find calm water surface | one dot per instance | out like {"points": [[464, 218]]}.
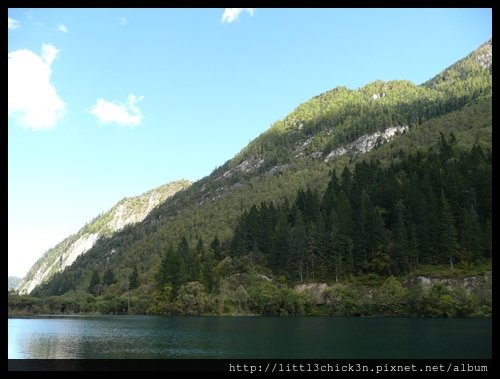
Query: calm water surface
{"points": [[247, 337]]}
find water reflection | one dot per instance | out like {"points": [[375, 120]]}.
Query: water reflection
{"points": [[246, 337]]}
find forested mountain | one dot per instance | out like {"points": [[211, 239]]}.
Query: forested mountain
{"points": [[422, 209], [125, 212], [381, 180]]}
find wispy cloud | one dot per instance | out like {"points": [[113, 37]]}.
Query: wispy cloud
{"points": [[29, 14], [122, 20], [122, 114], [33, 100], [62, 28], [232, 14], [14, 24]]}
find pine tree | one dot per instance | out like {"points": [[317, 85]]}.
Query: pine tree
{"points": [[412, 246], [377, 231], [346, 180], [447, 243], [312, 249], [208, 275], [298, 244], [199, 247], [281, 244], [401, 238], [428, 231], [328, 200], [108, 277], [183, 247], [323, 246], [215, 248], [363, 237], [265, 228], [95, 280], [345, 231], [335, 246], [470, 236], [237, 244], [172, 270]]}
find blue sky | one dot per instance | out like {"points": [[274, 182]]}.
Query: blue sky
{"points": [[105, 104]]}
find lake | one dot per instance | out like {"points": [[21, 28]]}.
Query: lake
{"points": [[96, 337]]}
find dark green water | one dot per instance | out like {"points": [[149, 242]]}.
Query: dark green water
{"points": [[247, 337]]}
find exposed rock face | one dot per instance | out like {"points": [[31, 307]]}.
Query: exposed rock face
{"points": [[471, 283], [484, 55], [377, 96], [82, 245], [248, 165], [366, 142], [127, 211], [278, 169], [316, 289], [243, 279], [300, 148], [50, 267], [125, 214]]}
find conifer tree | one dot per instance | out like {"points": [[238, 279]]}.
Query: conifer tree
{"points": [[94, 281], [447, 243]]}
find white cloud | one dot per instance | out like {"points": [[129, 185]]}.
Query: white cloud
{"points": [[14, 24], [33, 100], [49, 53], [62, 28], [127, 114], [232, 14], [122, 20]]}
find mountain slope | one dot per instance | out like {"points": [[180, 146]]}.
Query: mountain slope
{"points": [[330, 131], [477, 65], [126, 212]]}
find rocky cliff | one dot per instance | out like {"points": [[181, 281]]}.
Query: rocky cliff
{"points": [[127, 211]]}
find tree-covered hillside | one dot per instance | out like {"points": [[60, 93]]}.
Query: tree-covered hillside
{"points": [[431, 208], [412, 187], [427, 209]]}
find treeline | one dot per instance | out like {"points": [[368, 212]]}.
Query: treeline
{"points": [[423, 209], [244, 294], [70, 303]]}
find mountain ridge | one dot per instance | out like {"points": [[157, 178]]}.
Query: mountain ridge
{"points": [[127, 211], [271, 167]]}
